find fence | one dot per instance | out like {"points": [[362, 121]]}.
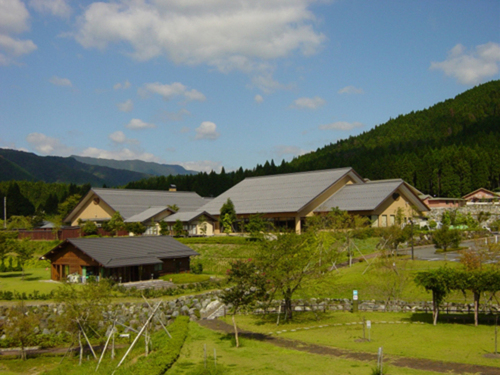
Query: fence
{"points": [[61, 234], [370, 306]]}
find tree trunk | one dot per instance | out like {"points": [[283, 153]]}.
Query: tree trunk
{"points": [[236, 332], [435, 308], [476, 308], [81, 347], [288, 306]]}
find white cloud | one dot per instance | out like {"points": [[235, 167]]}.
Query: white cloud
{"points": [[351, 90], [341, 125], [61, 81], [174, 116], [47, 145], [258, 98], [225, 34], [58, 8], [16, 47], [13, 20], [119, 137], [283, 151], [309, 103], [137, 124], [202, 165], [122, 86], [13, 17], [126, 106], [207, 130], [473, 67], [170, 91], [122, 154]]}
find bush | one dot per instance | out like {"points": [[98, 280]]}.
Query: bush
{"points": [[196, 266], [166, 350]]}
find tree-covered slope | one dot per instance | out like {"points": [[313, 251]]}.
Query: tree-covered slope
{"points": [[20, 165], [448, 149], [140, 166]]}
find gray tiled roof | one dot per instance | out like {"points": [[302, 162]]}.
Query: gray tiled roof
{"points": [[361, 197], [278, 193], [186, 216], [129, 251], [146, 215], [133, 202]]}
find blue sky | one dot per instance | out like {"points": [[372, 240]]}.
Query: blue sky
{"points": [[212, 83]]}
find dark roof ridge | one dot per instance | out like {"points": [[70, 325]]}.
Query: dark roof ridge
{"points": [[147, 191], [296, 173]]}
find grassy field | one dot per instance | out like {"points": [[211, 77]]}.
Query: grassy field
{"points": [[255, 357], [460, 343], [34, 279]]}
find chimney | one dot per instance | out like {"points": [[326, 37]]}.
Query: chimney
{"points": [[172, 188]]}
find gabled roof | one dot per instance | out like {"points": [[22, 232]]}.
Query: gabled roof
{"points": [[369, 196], [489, 192], [147, 215], [187, 217], [279, 193], [131, 202], [113, 252]]}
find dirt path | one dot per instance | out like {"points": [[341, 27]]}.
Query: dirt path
{"points": [[414, 363]]}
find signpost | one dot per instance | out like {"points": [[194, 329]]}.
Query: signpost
{"points": [[369, 326], [355, 301]]}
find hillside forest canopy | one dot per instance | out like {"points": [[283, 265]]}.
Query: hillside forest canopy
{"points": [[447, 150]]}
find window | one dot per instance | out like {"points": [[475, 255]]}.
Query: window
{"points": [[392, 220], [384, 221], [159, 267]]}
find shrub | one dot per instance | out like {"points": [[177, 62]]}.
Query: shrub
{"points": [[166, 350]]}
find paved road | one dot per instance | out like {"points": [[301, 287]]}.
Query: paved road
{"points": [[429, 252]]}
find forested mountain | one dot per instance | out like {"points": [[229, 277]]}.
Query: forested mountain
{"points": [[20, 165], [449, 149], [140, 166]]}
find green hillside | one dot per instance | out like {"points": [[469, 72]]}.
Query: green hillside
{"points": [[449, 149], [20, 165], [140, 166]]}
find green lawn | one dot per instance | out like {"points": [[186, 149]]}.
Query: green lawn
{"points": [[255, 357], [409, 338], [34, 279], [377, 280]]}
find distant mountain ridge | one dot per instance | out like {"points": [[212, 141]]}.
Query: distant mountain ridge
{"points": [[140, 166], [21, 165]]}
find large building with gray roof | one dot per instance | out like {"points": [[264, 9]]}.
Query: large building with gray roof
{"points": [[288, 199], [122, 258]]}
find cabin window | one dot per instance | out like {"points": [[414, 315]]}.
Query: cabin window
{"points": [[159, 267], [384, 221]]}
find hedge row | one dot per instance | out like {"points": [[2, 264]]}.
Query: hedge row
{"points": [[166, 350]]}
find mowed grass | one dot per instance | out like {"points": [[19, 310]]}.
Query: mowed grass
{"points": [[255, 357], [34, 279], [377, 280], [400, 334]]}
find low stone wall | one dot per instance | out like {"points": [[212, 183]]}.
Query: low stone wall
{"points": [[375, 306], [127, 314], [473, 209]]}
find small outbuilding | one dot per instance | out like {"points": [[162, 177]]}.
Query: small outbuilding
{"points": [[121, 258]]}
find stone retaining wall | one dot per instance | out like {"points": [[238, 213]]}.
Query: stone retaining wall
{"points": [[473, 209]]}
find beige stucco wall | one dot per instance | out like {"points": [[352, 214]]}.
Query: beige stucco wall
{"points": [[93, 211], [386, 214]]}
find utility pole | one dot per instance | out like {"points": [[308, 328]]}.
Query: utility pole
{"points": [[5, 212], [412, 254]]}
